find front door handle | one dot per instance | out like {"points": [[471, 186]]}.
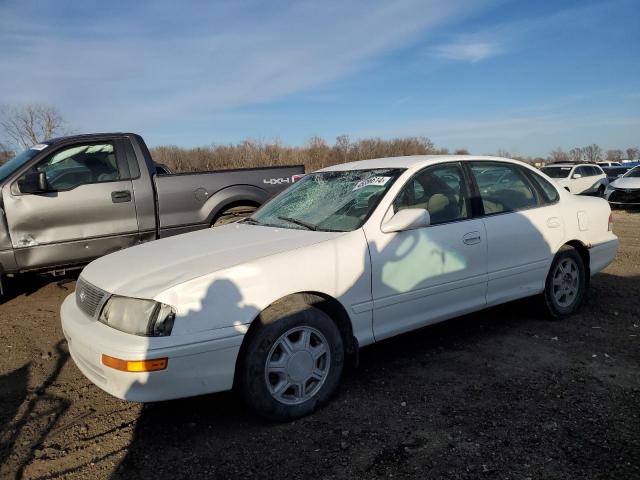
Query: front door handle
{"points": [[121, 196], [471, 238]]}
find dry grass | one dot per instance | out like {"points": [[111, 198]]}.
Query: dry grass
{"points": [[315, 154]]}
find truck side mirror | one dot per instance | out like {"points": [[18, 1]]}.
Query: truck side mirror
{"points": [[34, 182], [576, 176]]}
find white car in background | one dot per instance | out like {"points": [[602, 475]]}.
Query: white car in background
{"points": [[626, 189], [347, 256], [578, 178]]}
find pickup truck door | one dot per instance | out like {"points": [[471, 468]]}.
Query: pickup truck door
{"points": [[86, 211]]}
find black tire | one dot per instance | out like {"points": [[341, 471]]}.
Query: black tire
{"points": [[555, 307], [233, 214], [252, 379], [601, 190]]}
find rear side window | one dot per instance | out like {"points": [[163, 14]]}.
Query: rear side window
{"points": [[503, 187], [548, 192]]}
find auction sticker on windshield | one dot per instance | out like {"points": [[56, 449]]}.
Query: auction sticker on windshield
{"points": [[378, 181]]}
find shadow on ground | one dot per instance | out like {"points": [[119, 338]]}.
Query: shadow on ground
{"points": [[505, 392]]}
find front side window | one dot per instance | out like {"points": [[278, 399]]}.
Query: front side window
{"points": [[503, 188], [582, 171], [441, 190], [556, 172], [79, 165], [328, 201]]}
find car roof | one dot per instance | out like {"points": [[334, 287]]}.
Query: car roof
{"points": [[570, 164], [412, 162]]}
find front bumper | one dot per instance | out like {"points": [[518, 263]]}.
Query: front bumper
{"points": [[626, 196], [197, 365]]}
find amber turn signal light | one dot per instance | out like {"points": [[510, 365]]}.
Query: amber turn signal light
{"points": [[135, 365]]}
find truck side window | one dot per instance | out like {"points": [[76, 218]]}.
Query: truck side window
{"points": [[79, 165]]}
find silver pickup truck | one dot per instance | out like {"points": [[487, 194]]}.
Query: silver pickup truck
{"points": [[69, 200]]}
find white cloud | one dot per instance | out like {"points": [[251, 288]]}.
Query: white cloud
{"points": [[471, 51], [177, 62]]}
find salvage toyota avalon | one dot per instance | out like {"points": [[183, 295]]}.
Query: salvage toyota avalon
{"points": [[274, 306]]}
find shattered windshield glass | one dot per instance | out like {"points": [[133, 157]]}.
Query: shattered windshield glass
{"points": [[338, 201]]}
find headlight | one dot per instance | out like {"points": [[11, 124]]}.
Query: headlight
{"points": [[137, 316]]}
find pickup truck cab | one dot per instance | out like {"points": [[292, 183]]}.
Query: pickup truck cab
{"points": [[69, 200]]}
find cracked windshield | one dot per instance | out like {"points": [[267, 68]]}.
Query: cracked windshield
{"points": [[328, 201]]}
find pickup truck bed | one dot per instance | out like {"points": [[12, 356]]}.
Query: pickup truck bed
{"points": [[72, 199]]}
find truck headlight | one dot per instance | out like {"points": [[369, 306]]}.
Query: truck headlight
{"points": [[137, 316]]}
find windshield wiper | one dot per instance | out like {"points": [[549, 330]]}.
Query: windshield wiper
{"points": [[251, 221], [308, 226]]}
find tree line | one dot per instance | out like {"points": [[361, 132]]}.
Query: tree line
{"points": [[21, 127]]}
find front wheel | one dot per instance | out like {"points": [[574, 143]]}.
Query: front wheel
{"points": [[292, 365], [566, 283]]}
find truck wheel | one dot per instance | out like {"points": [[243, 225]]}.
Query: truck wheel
{"points": [[566, 283], [233, 214], [291, 366]]}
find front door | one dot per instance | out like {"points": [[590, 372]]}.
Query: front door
{"points": [[86, 211], [429, 274]]}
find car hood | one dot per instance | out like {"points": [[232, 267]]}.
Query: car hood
{"points": [[628, 182], [146, 270]]}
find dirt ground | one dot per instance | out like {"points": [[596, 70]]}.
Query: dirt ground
{"points": [[504, 393]]}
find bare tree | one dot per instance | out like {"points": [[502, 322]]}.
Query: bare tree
{"points": [[5, 153], [342, 146], [576, 154], [559, 155], [592, 153], [30, 124], [633, 153], [461, 151], [614, 155]]}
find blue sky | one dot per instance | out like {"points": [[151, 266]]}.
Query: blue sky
{"points": [[522, 76]]}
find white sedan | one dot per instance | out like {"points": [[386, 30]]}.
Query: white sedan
{"points": [[625, 190], [348, 256]]}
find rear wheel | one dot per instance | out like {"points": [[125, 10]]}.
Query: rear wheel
{"points": [[566, 283], [291, 366], [233, 214]]}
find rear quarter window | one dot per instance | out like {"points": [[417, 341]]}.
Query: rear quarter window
{"points": [[547, 192]]}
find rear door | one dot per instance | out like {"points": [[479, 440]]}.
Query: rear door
{"points": [[87, 211], [523, 225]]}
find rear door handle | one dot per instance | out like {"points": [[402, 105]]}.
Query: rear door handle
{"points": [[471, 238], [121, 196]]}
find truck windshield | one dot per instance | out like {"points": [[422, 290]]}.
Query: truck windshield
{"points": [[337, 201], [16, 162], [557, 172]]}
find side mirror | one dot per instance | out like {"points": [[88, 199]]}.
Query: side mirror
{"points": [[34, 182], [576, 176], [407, 219]]}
